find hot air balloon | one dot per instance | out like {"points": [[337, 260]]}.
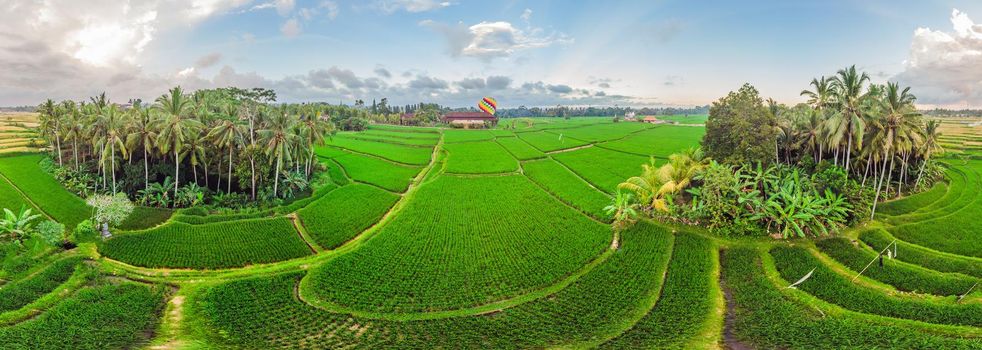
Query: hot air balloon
{"points": [[488, 105]]}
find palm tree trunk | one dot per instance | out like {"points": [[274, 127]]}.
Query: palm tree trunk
{"points": [[194, 170], [848, 154], [865, 173], [75, 151], [889, 176], [876, 197], [276, 176], [229, 190], [252, 168], [206, 174], [921, 171], [112, 160], [146, 170], [58, 142], [177, 168]]}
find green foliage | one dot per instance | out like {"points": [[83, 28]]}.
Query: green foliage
{"points": [[461, 242], [16, 227], [102, 317], [452, 136], [767, 318], [145, 217], [208, 246], [343, 213], [51, 232], [740, 129], [878, 239], [912, 203], [479, 158], [825, 284], [584, 311], [112, 210]]}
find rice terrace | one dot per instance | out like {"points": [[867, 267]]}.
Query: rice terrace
{"points": [[837, 209]]}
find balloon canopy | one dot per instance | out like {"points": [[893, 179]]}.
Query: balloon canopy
{"points": [[488, 105]]}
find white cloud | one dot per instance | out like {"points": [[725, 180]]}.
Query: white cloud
{"points": [[943, 67], [283, 7], [208, 60], [526, 15], [390, 6], [290, 28], [487, 40], [332, 9]]}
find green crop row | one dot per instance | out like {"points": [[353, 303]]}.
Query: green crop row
{"points": [[765, 318], [397, 153], [403, 129], [688, 299], [659, 141], [603, 168], [878, 239], [209, 246], [463, 242], [215, 218], [568, 187], [44, 190], [913, 203], [104, 317], [519, 149], [603, 132], [415, 142], [585, 311], [961, 192], [19, 293], [901, 275], [452, 135], [378, 172], [548, 142], [344, 213], [11, 199], [403, 134], [479, 158], [795, 262], [145, 217]]}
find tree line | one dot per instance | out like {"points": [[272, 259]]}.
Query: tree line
{"points": [[184, 146], [802, 169]]}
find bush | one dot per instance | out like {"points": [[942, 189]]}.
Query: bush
{"points": [[51, 232]]}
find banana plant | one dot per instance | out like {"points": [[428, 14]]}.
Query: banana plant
{"points": [[16, 227]]}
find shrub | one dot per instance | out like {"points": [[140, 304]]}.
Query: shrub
{"points": [[51, 232]]}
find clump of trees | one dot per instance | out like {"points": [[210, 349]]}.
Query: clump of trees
{"points": [[221, 145], [800, 170]]}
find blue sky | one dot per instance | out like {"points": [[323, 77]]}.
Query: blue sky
{"points": [[521, 52]]}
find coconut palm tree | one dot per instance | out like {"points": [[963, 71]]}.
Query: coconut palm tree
{"points": [[74, 127], [50, 123], [143, 134], [848, 120], [225, 134], [175, 126], [278, 137], [899, 122], [313, 128], [932, 134], [113, 124]]}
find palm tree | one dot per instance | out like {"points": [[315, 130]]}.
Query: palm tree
{"points": [[113, 124], [898, 122], [646, 186], [50, 123], [225, 134], [931, 136], [622, 210], [143, 133], [313, 128], [175, 126], [821, 97], [278, 138], [848, 120], [74, 128]]}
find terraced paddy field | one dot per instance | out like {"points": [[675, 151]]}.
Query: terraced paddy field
{"points": [[493, 239], [18, 132]]}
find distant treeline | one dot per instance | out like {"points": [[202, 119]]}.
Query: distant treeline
{"points": [[953, 113], [563, 111]]}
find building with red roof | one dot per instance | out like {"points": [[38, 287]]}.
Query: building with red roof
{"points": [[469, 119]]}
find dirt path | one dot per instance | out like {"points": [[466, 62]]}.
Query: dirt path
{"points": [[730, 340]]}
